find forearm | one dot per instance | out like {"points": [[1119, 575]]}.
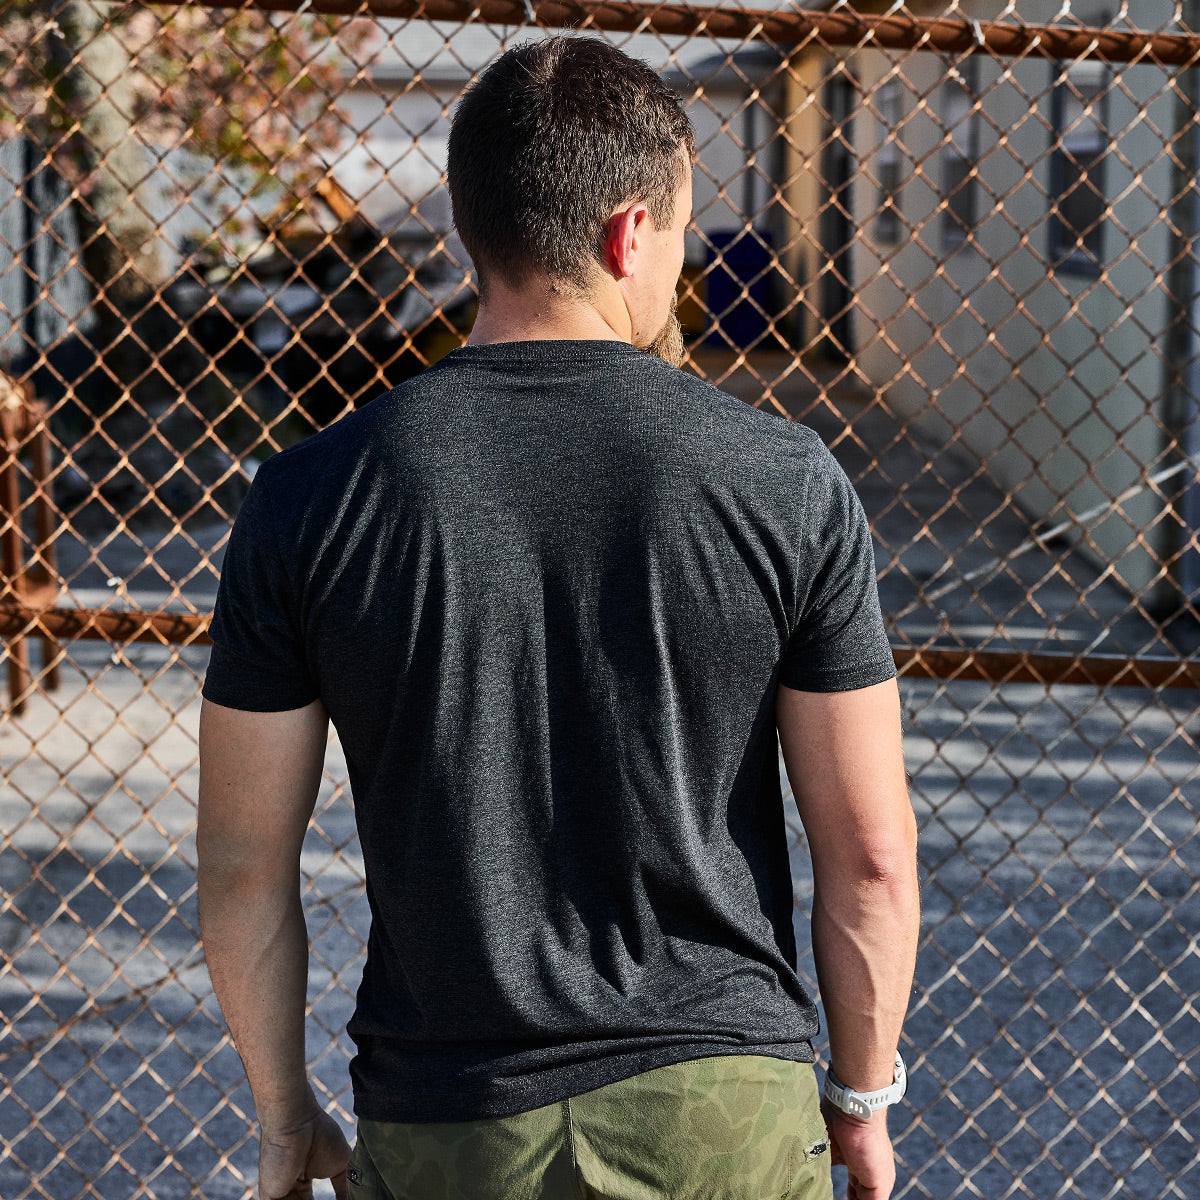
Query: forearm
{"points": [[256, 944], [846, 766], [864, 936]]}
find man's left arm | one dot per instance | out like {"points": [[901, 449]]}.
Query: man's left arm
{"points": [[259, 775]]}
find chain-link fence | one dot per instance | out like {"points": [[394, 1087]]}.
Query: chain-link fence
{"points": [[960, 243]]}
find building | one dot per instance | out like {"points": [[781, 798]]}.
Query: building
{"points": [[992, 243]]}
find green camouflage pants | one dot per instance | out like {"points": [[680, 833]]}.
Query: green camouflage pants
{"points": [[736, 1127]]}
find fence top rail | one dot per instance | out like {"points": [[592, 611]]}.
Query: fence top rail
{"points": [[894, 31], [925, 662]]}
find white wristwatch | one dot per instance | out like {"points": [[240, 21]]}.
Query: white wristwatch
{"points": [[863, 1104]]}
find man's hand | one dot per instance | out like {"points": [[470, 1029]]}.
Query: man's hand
{"points": [[865, 1150], [290, 1159]]}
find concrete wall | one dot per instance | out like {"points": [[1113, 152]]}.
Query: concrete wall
{"points": [[954, 332]]}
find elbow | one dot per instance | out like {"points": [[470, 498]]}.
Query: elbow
{"points": [[891, 859], [223, 858], [231, 874], [239, 899], [880, 862], [885, 881], [883, 895], [221, 886]]}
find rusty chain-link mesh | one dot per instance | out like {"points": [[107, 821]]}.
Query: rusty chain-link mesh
{"points": [[959, 242]]}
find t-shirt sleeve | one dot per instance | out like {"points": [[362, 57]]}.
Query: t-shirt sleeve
{"points": [[258, 662], [839, 642]]}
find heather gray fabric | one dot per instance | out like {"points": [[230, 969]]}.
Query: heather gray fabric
{"points": [[547, 591]]}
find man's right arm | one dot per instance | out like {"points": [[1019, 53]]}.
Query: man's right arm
{"points": [[845, 763], [259, 775]]}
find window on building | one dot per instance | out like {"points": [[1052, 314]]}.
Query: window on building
{"points": [[1077, 168], [889, 161], [960, 155]]}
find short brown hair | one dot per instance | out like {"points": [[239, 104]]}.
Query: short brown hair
{"points": [[550, 139]]}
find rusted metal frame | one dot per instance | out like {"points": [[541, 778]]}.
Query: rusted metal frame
{"points": [[990, 666], [1015, 666], [841, 28], [23, 426], [105, 624]]}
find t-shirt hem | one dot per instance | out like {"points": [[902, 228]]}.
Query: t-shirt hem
{"points": [[846, 680], [475, 1103], [240, 700]]}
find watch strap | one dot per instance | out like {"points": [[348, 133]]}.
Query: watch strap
{"points": [[863, 1104]]}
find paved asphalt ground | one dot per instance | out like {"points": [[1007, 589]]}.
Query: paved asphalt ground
{"points": [[1053, 1035]]}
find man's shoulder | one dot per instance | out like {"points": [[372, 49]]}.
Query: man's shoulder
{"points": [[757, 430], [342, 444]]}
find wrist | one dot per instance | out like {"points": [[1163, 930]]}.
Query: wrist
{"points": [[286, 1111]]}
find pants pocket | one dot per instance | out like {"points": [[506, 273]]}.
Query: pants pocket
{"points": [[811, 1176], [363, 1181]]}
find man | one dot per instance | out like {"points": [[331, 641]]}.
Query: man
{"points": [[556, 597]]}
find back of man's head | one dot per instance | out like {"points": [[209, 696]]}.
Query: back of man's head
{"points": [[552, 138]]}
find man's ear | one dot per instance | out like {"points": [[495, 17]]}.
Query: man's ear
{"points": [[622, 237]]}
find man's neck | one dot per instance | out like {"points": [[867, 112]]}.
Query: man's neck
{"points": [[539, 312]]}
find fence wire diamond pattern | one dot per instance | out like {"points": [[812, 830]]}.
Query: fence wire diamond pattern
{"points": [[961, 244]]}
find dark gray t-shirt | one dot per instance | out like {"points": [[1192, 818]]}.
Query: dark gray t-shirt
{"points": [[547, 591]]}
